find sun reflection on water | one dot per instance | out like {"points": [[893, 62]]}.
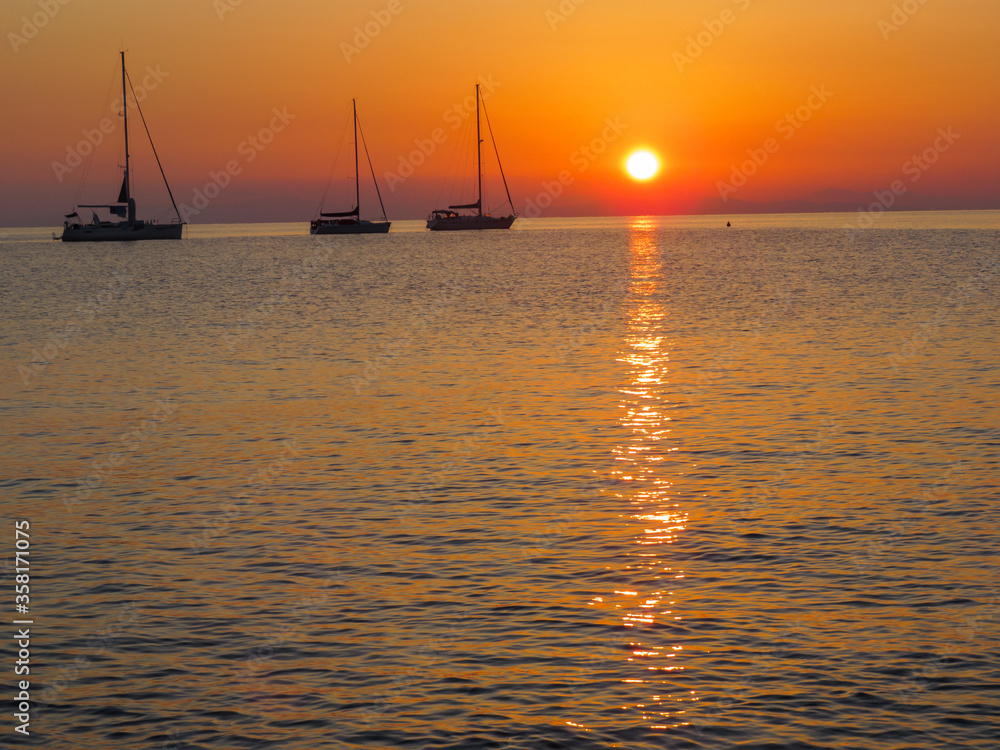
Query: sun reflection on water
{"points": [[639, 463]]}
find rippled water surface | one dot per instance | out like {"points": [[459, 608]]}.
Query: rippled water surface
{"points": [[637, 483]]}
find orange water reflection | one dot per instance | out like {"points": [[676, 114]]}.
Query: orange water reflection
{"points": [[642, 463]]}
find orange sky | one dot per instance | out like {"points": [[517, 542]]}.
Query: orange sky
{"points": [[561, 70]]}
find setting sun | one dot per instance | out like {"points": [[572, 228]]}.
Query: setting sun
{"points": [[642, 165]]}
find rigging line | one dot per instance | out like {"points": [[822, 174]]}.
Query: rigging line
{"points": [[150, 137], [90, 158], [490, 128], [454, 183], [369, 157], [444, 185], [333, 168], [461, 161]]}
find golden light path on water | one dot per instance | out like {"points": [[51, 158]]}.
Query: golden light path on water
{"points": [[641, 464]]}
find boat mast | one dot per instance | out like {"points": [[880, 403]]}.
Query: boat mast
{"points": [[497, 152], [357, 178], [128, 192], [370, 167], [479, 154]]}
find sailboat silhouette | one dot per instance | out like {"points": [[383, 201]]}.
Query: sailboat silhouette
{"points": [[350, 222], [130, 228], [450, 218]]}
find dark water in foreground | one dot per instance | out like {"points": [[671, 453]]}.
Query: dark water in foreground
{"points": [[642, 483]]}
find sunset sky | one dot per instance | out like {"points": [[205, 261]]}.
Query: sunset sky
{"points": [[577, 86]]}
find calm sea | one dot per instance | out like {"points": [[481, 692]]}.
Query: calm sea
{"points": [[635, 483]]}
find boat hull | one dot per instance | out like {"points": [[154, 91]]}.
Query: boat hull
{"points": [[458, 223], [122, 232], [360, 227]]}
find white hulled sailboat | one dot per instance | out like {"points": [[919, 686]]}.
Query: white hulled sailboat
{"points": [[450, 218], [129, 228]]}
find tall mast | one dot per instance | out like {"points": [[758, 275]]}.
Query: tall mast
{"points": [[370, 167], [479, 154], [497, 152], [128, 192], [357, 178]]}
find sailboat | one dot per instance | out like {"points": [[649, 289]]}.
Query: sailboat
{"points": [[350, 222], [450, 218], [129, 228]]}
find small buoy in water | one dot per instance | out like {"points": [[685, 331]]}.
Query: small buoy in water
{"points": [[728, 224]]}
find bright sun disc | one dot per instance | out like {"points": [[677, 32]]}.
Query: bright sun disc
{"points": [[642, 165]]}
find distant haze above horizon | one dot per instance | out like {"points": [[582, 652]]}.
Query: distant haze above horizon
{"points": [[749, 105]]}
